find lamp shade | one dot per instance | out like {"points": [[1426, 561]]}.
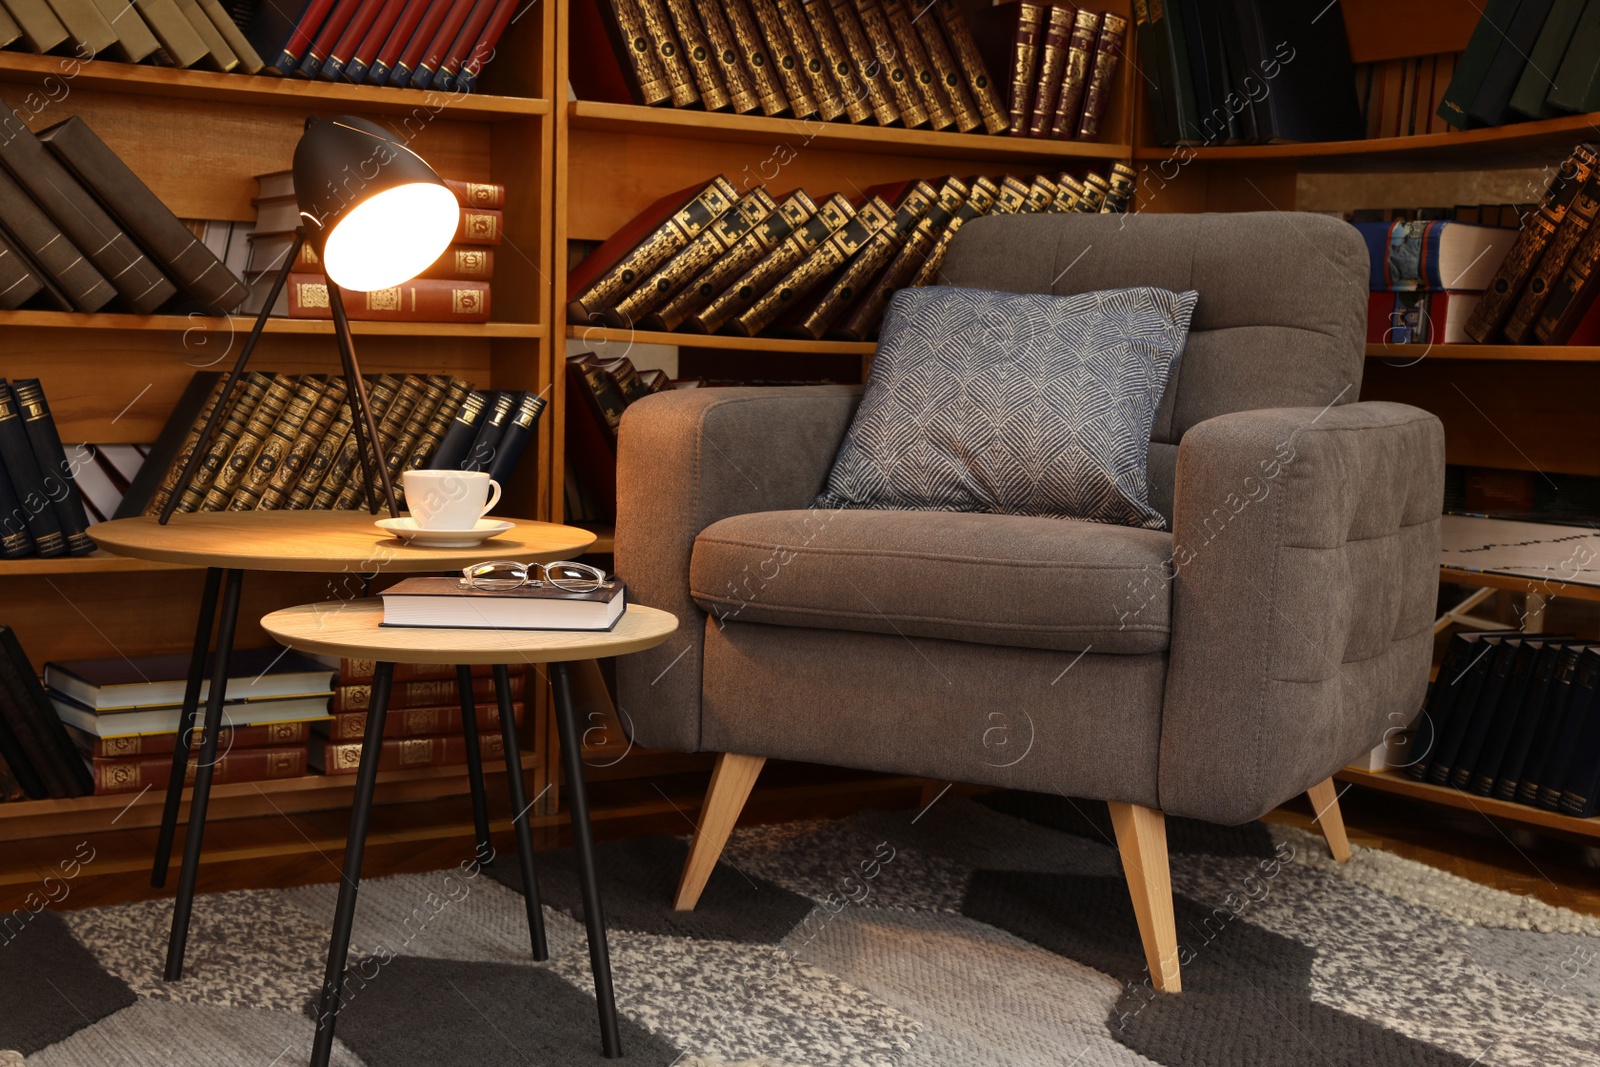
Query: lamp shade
{"points": [[374, 210]]}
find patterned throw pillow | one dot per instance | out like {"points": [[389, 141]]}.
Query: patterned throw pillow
{"points": [[1021, 404]]}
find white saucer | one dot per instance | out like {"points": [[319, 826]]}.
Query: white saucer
{"points": [[407, 530]]}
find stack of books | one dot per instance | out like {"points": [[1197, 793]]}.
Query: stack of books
{"points": [[41, 506], [1427, 277], [178, 33], [1031, 69], [454, 289], [1526, 60], [123, 715], [1402, 97], [80, 232], [709, 259], [423, 724], [37, 758], [1515, 716]]}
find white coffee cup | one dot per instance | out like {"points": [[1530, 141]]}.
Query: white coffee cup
{"points": [[449, 500]]}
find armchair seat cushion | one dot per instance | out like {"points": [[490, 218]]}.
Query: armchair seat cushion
{"points": [[988, 579]]}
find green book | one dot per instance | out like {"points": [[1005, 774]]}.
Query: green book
{"points": [[1577, 86], [1538, 77], [1475, 61]]}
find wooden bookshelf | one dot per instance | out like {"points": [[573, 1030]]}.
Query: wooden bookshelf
{"points": [[239, 325], [1401, 784], [1411, 354], [594, 335]]}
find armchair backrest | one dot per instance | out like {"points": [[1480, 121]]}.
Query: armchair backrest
{"points": [[1281, 320]]}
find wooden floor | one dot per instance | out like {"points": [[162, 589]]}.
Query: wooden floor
{"points": [[301, 849]]}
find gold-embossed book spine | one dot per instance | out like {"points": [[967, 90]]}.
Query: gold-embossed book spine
{"points": [[320, 462], [1052, 63], [742, 92], [347, 461], [836, 54], [918, 67], [275, 447], [649, 76], [1025, 63], [407, 396], [950, 76], [1075, 73], [452, 406], [785, 296], [1579, 218], [830, 100], [220, 447], [704, 287], [985, 94], [698, 53], [674, 232], [980, 202], [669, 52], [753, 283], [785, 59], [191, 441], [869, 69], [1107, 55], [758, 60], [908, 99], [312, 431], [699, 254]]}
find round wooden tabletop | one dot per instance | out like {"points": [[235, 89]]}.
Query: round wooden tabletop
{"points": [[319, 541], [350, 628]]}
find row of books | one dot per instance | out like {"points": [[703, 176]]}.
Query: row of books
{"points": [[1402, 97], [1526, 496], [1514, 716], [37, 757], [1427, 277], [40, 501], [80, 232], [1526, 59], [455, 288], [441, 45], [598, 391], [709, 259], [174, 33], [1029, 68], [1246, 71]]}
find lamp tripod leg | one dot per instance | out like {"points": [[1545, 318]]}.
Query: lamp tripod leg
{"points": [[369, 446]]}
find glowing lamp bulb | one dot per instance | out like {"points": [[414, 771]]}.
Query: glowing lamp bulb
{"points": [[391, 237]]}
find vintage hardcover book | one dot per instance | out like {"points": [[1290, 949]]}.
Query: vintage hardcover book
{"points": [[790, 213], [402, 753], [1544, 750], [669, 52], [175, 33], [1577, 80], [249, 60], [358, 63], [178, 252], [388, 55], [15, 540], [1577, 222], [435, 387], [275, 447], [911, 201], [427, 445], [1451, 729], [462, 430], [1121, 182], [356, 671], [758, 60], [599, 392], [862, 321], [1092, 196], [18, 281], [267, 250], [41, 29], [1581, 682], [1069, 195], [517, 436], [30, 483], [1572, 294], [246, 396], [28, 703], [218, 55], [324, 35], [59, 473], [1012, 197], [482, 50], [1582, 788], [420, 300], [411, 53], [481, 453], [754, 282], [1009, 37], [625, 376], [919, 68], [321, 461], [444, 720], [979, 202], [313, 427], [280, 33], [836, 56], [742, 90], [408, 392], [1544, 61], [346, 460], [986, 95], [279, 734], [869, 71], [57, 258], [786, 294], [1490, 706], [908, 98], [267, 412], [695, 257], [808, 55], [786, 62], [27, 747], [1519, 686], [153, 484], [610, 272], [134, 39], [87, 30], [704, 64], [1042, 195], [421, 694], [1500, 299], [1490, 105], [1531, 720], [132, 774], [83, 220], [1075, 73], [949, 73], [344, 45], [1055, 38], [444, 75]]}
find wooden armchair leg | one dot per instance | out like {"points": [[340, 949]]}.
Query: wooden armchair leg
{"points": [[1142, 840], [1325, 803], [731, 781]]}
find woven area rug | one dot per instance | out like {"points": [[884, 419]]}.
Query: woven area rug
{"points": [[976, 933]]}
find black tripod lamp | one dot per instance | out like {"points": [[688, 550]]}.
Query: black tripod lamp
{"points": [[376, 215]]}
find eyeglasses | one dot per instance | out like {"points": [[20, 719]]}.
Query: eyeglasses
{"points": [[500, 576]]}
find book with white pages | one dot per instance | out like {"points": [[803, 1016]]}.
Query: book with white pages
{"points": [[164, 720], [444, 603]]}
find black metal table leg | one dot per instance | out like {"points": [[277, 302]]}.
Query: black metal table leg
{"points": [[469, 730], [350, 877], [583, 838], [202, 777], [191, 705], [519, 808]]}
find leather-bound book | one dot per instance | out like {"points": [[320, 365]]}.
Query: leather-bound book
{"points": [[427, 445], [396, 455], [343, 49], [274, 448], [178, 252], [59, 473], [482, 50], [158, 476], [275, 734], [411, 51], [908, 97], [1102, 70], [134, 39], [1070, 195], [218, 55], [457, 439], [41, 29], [918, 66], [1042, 194], [979, 202], [1121, 181], [703, 63], [861, 324], [590, 438], [786, 60], [1012, 196], [410, 392], [754, 282], [490, 429], [402, 753], [87, 30], [1582, 788], [911, 201], [313, 428], [361, 57], [441, 720], [699, 254], [389, 53], [15, 540], [346, 462], [455, 55], [786, 294], [32, 717], [17, 762], [518, 435], [474, 262], [249, 60], [1520, 688], [625, 376], [952, 80], [808, 54], [28, 483], [266, 414], [430, 693], [610, 272], [1580, 707], [836, 54], [1009, 38], [868, 69], [1055, 40], [1093, 195], [1578, 221], [742, 92], [791, 212], [1500, 300], [280, 33], [320, 463], [1545, 752], [1572, 294], [1075, 73], [57, 258], [600, 392], [18, 281], [335, 18], [758, 59], [419, 300], [985, 94], [669, 52], [133, 774], [84, 221]]}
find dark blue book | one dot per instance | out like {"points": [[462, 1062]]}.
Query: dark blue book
{"points": [[1493, 750], [1488, 706], [1443, 698], [1543, 753], [60, 473], [518, 433], [1531, 719], [457, 440], [272, 32], [480, 457], [1582, 790], [1574, 714], [37, 512], [1470, 678]]}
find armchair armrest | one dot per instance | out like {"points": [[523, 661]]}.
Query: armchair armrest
{"points": [[1304, 580], [686, 459]]}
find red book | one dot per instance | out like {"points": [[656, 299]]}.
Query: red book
{"points": [[421, 694], [1437, 316], [389, 53], [416, 722], [402, 753], [363, 53], [478, 194], [417, 47], [444, 74], [419, 300], [229, 738], [136, 773], [353, 32], [499, 19], [460, 13], [311, 21], [343, 11]]}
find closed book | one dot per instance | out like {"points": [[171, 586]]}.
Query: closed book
{"points": [[909, 100], [1582, 789], [16, 541], [979, 82], [57, 258], [326, 35], [1443, 70], [463, 430], [1157, 70], [134, 774], [1008, 37], [836, 55], [41, 29], [1420, 317], [1490, 706], [280, 33], [1055, 35], [482, 50], [1545, 751], [349, 38], [267, 252], [625, 376], [345, 463], [1572, 294], [178, 252], [357, 671], [428, 443], [669, 52], [411, 392], [1433, 254], [757, 58], [1558, 253], [278, 734], [288, 468], [746, 289], [59, 473], [1075, 73], [1577, 83], [420, 300], [443, 603], [274, 450], [948, 73], [10, 32], [1109, 46], [402, 753], [790, 213], [1544, 60], [919, 67], [813, 69], [443, 720], [249, 60], [1490, 105], [176, 34], [1012, 198], [1508, 711], [620, 65], [911, 201], [240, 406], [861, 323], [1312, 96], [27, 695], [438, 46], [16, 759], [786, 295], [599, 392], [486, 442], [517, 436], [218, 55], [357, 696], [134, 39], [1473, 66], [1532, 718], [1044, 195], [412, 49], [1519, 262], [18, 281], [159, 473], [1563, 760], [594, 406], [1454, 730], [359, 60], [320, 463], [87, 29], [868, 69], [404, 29], [467, 38], [704, 63], [30, 480], [397, 454], [268, 410], [1444, 697], [979, 201], [119, 683], [88, 226], [610, 272]]}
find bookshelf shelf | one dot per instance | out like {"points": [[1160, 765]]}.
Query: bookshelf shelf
{"points": [[605, 335], [95, 563], [1409, 354], [240, 325], [1401, 784], [1550, 587], [633, 119], [22, 69]]}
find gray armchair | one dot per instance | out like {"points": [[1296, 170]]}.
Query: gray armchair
{"points": [[1214, 671]]}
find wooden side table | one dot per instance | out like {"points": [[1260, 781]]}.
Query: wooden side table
{"points": [[351, 629], [228, 543]]}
